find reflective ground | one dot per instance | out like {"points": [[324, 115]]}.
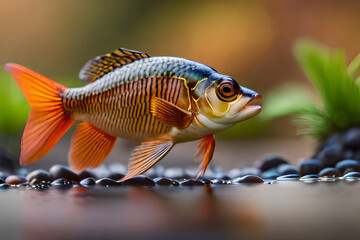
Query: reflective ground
{"points": [[282, 210]]}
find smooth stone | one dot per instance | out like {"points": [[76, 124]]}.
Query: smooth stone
{"points": [[115, 176], [139, 180], [334, 139], [285, 169], [60, 171], [7, 161], [271, 162], [15, 180], [270, 174], [330, 172], [191, 182], [330, 155], [309, 178], [348, 164], [39, 174], [61, 182], [207, 182], [38, 183], [86, 173], [220, 175], [288, 177], [218, 181], [248, 179], [328, 179], [162, 181], [4, 186], [88, 181], [107, 182], [352, 138], [352, 176], [311, 166]]}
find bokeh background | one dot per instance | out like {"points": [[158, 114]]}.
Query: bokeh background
{"points": [[250, 40]]}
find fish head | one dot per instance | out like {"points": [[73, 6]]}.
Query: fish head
{"points": [[222, 100]]}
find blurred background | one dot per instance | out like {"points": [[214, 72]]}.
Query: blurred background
{"points": [[249, 40]]}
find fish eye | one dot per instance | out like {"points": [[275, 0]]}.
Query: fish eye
{"points": [[227, 90]]}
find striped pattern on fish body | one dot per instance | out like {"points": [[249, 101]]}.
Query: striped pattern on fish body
{"points": [[158, 101]]}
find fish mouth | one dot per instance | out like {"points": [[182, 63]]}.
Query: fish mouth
{"points": [[250, 105]]}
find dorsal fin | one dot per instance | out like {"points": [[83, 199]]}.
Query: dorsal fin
{"points": [[99, 66]]}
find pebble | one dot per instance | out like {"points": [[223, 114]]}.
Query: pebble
{"points": [[115, 176], [61, 182], [15, 180], [352, 138], [60, 171], [88, 181], [270, 174], [86, 173], [218, 182], [39, 184], [107, 182], [191, 182], [352, 176], [344, 165], [311, 166], [39, 174], [309, 178], [330, 172], [139, 180], [221, 175], [330, 156], [207, 182], [285, 169], [4, 186], [288, 177], [271, 162], [248, 179], [162, 181]]}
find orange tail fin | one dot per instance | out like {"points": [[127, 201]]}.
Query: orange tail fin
{"points": [[48, 120]]}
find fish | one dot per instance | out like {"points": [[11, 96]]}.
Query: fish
{"points": [[155, 101]]}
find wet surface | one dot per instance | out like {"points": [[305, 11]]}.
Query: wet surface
{"points": [[282, 210]]}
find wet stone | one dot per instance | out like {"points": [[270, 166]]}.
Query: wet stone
{"points": [[88, 181], [207, 182], [218, 182], [86, 173], [270, 174], [330, 172], [309, 178], [311, 166], [162, 181], [61, 182], [139, 180], [271, 162], [38, 183], [191, 182], [39, 174], [352, 138], [248, 179], [348, 164], [115, 176], [285, 169], [60, 171], [15, 180], [330, 155], [4, 186], [288, 177], [107, 182], [352, 176]]}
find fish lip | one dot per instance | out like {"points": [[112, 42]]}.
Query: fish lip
{"points": [[255, 98]]}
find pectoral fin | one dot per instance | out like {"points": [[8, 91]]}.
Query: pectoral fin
{"points": [[147, 155], [206, 151], [170, 114]]}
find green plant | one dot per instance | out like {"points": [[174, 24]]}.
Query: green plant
{"points": [[338, 88]]}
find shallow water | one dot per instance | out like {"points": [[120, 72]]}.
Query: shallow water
{"points": [[283, 210]]}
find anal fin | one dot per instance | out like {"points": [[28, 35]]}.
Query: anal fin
{"points": [[147, 155], [170, 114], [206, 151], [89, 147]]}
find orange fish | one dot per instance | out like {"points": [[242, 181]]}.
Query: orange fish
{"points": [[157, 101]]}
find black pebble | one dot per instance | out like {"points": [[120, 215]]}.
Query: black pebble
{"points": [[61, 182], [86, 173], [116, 176], [330, 172], [88, 181], [60, 171], [352, 175], [352, 138], [311, 166], [218, 181], [285, 169], [310, 178], [139, 180], [4, 186], [330, 155], [40, 184], [348, 164], [248, 179], [191, 182], [107, 182], [162, 181], [270, 174], [289, 177], [271, 162], [39, 174]]}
